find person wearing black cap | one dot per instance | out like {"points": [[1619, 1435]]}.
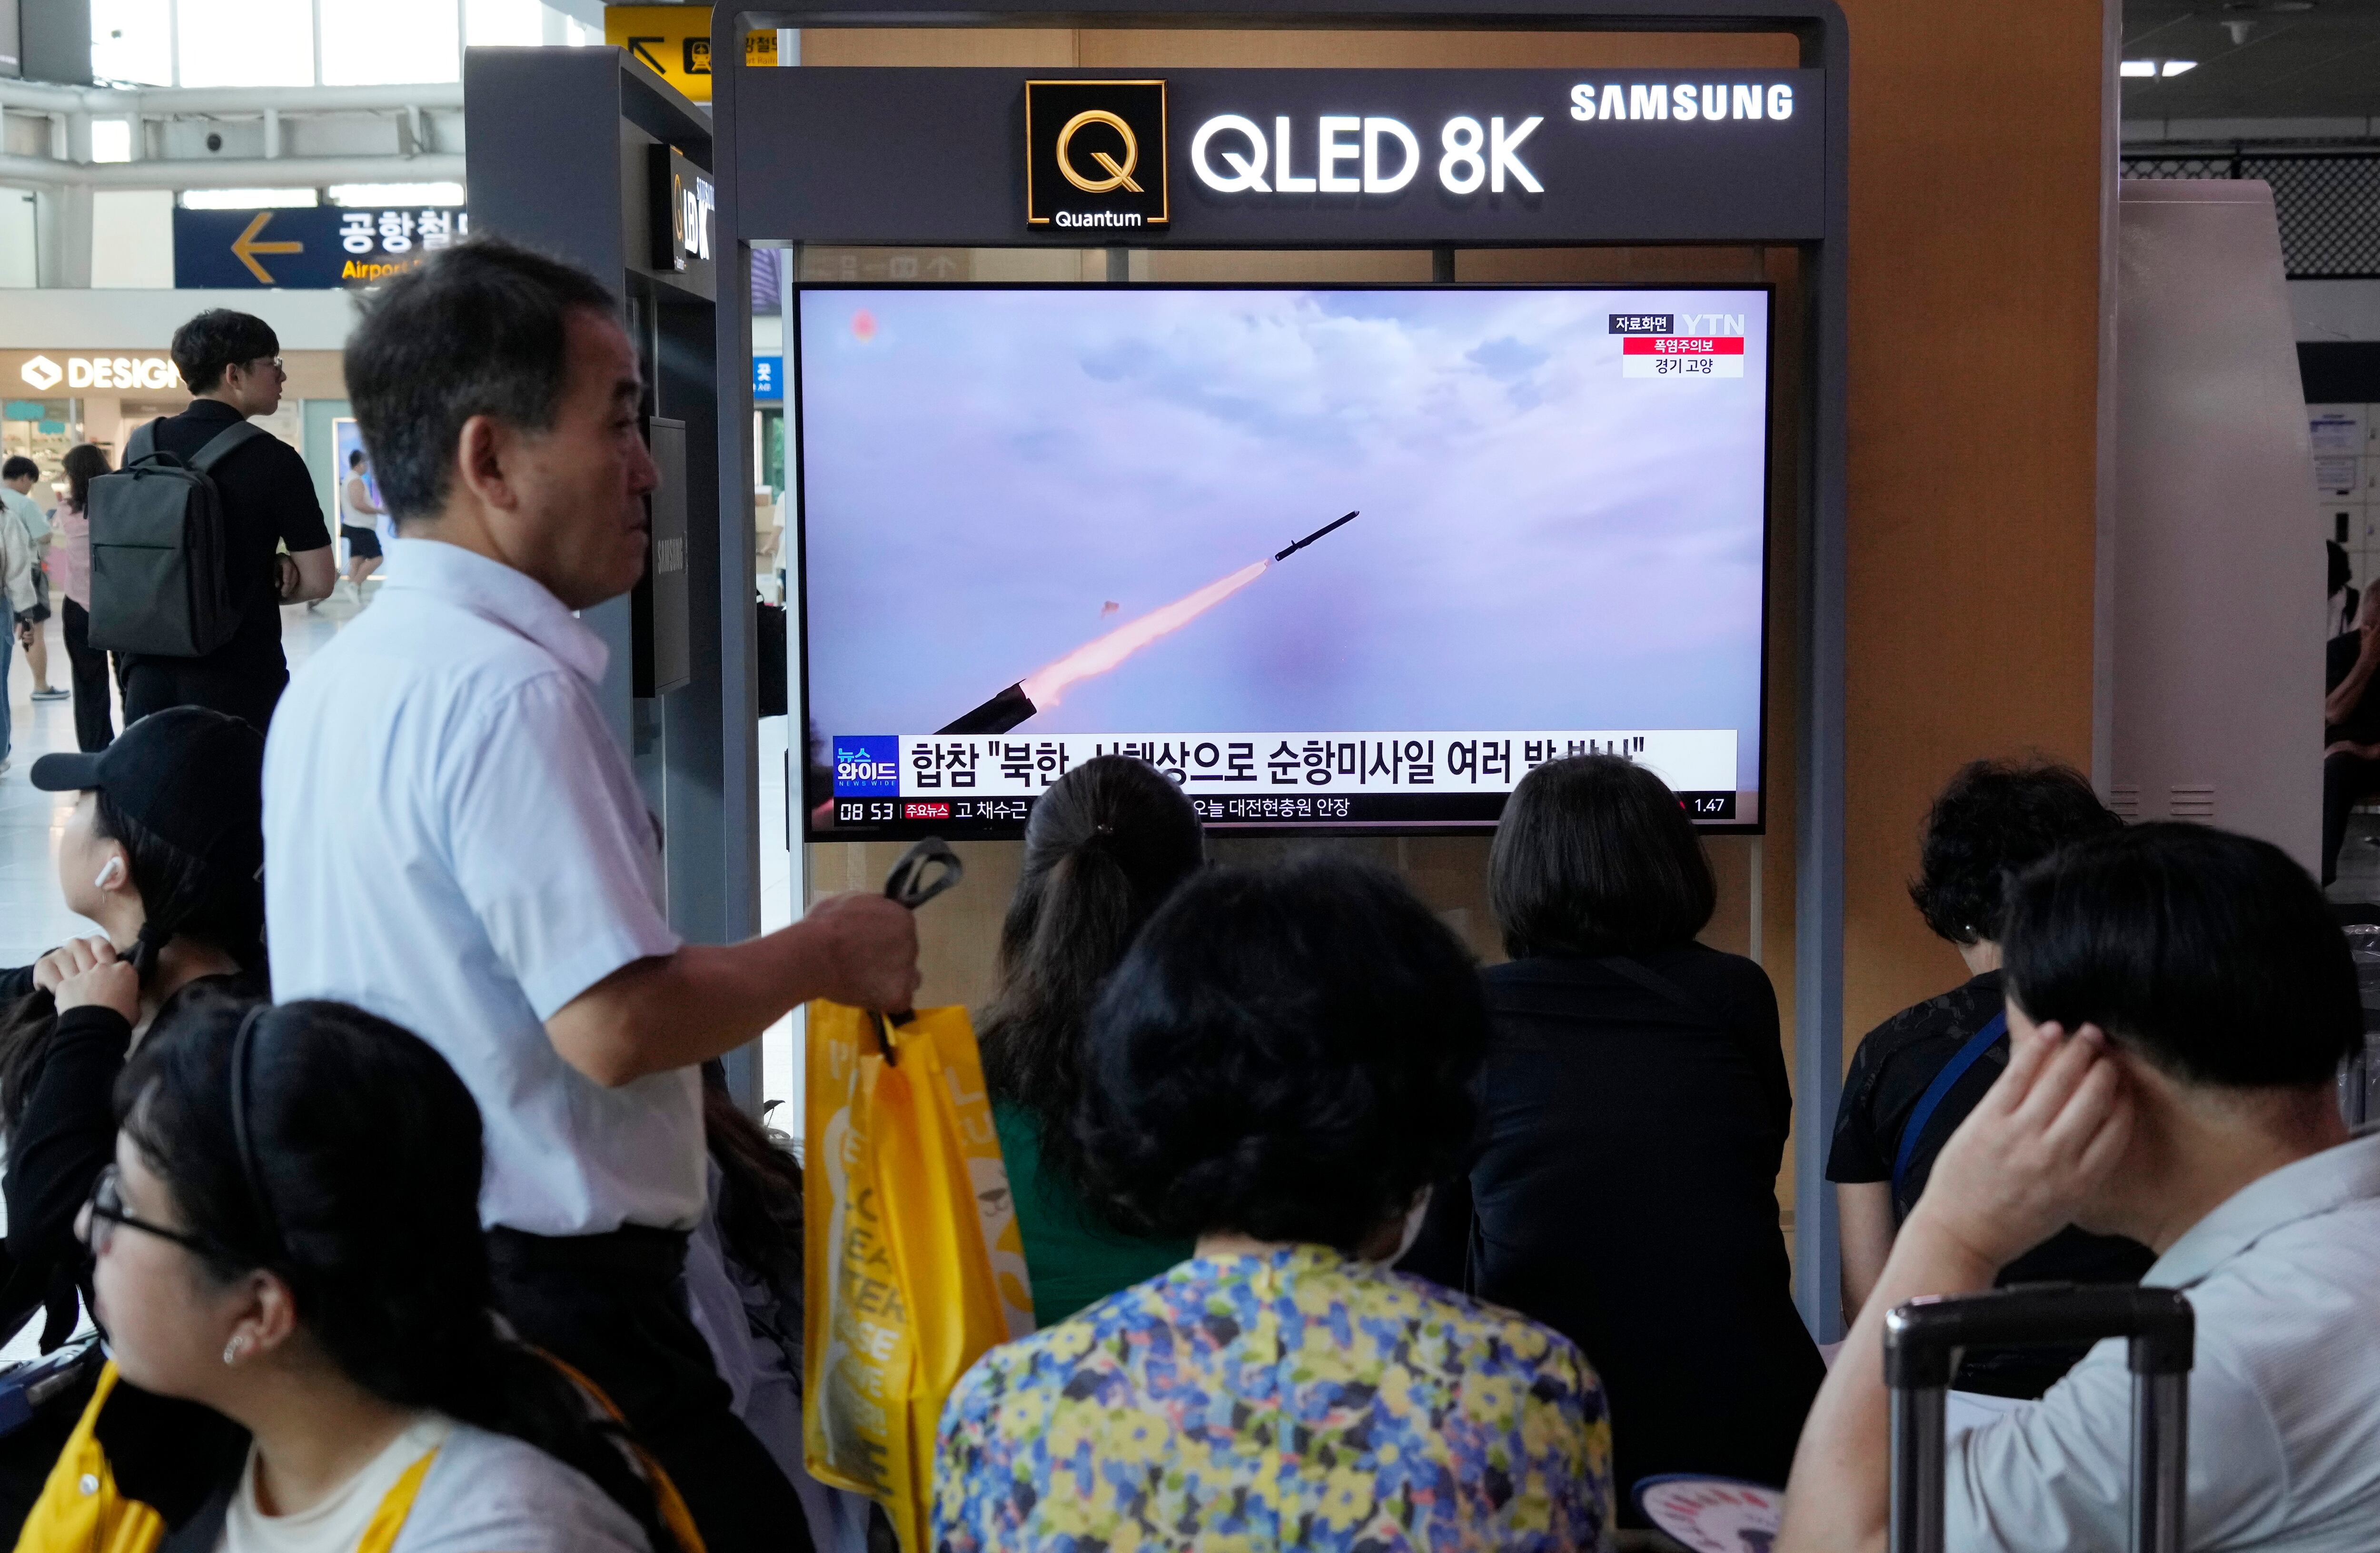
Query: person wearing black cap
{"points": [[163, 851]]}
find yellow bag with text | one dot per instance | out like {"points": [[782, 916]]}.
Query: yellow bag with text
{"points": [[913, 1264]]}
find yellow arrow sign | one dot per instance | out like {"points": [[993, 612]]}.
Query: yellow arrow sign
{"points": [[245, 248]]}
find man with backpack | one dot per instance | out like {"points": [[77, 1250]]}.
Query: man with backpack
{"points": [[262, 499]]}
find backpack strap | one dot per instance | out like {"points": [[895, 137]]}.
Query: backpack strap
{"points": [[1938, 1091], [225, 443], [142, 443], [395, 1507]]}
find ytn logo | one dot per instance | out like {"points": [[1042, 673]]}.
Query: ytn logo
{"points": [[867, 765]]}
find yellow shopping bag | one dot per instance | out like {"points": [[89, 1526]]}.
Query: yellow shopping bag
{"points": [[914, 1265]]}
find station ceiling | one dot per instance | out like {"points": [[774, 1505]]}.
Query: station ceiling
{"points": [[2256, 58]]}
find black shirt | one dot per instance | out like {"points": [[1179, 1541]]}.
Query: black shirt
{"points": [[1625, 1194], [65, 1136], [2361, 724], [1893, 1068], [268, 500]]}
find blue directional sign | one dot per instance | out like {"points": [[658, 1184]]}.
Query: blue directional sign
{"points": [[768, 377], [317, 248]]}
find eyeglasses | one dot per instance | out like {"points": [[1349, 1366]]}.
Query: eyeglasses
{"points": [[263, 361], [105, 1207]]}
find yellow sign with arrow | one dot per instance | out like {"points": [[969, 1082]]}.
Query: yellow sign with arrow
{"points": [[674, 41], [245, 248]]}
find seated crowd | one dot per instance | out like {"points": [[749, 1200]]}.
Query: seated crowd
{"points": [[1336, 1240]]}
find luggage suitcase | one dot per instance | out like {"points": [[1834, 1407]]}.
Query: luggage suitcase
{"points": [[1921, 1341]]}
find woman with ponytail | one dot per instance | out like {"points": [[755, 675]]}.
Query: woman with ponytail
{"points": [[289, 1267], [1107, 843], [161, 850]]}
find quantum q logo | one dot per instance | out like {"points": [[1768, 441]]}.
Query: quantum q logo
{"points": [[1094, 154], [1119, 174]]}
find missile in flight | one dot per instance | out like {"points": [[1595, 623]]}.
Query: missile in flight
{"points": [[998, 715], [1292, 549], [1041, 689]]}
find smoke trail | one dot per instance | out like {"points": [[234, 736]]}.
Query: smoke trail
{"points": [[1044, 686]]}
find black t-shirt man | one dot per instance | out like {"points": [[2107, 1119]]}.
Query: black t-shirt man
{"points": [[1895, 1065], [268, 500]]}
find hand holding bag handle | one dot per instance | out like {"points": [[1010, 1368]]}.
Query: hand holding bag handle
{"points": [[908, 884]]}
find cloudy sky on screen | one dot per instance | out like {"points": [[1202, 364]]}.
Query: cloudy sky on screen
{"points": [[1545, 544]]}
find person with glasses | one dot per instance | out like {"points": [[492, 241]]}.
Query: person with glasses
{"points": [[303, 1355], [232, 363], [161, 849]]}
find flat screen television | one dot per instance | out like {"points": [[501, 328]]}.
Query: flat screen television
{"points": [[1347, 559]]}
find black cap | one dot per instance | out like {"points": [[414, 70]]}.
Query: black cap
{"points": [[191, 777]]}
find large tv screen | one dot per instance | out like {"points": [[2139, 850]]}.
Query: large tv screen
{"points": [[1352, 559]]}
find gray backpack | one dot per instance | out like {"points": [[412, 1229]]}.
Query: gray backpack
{"points": [[161, 581]]}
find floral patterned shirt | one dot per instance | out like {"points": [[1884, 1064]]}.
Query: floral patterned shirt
{"points": [[1298, 1399]]}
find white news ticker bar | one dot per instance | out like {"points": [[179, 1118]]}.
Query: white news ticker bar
{"points": [[1018, 765]]}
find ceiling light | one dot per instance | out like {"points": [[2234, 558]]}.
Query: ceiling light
{"points": [[247, 199], [2177, 66], [2137, 67]]}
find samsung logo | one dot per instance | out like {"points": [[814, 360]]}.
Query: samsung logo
{"points": [[1684, 102]]}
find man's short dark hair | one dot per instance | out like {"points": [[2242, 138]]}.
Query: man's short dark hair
{"points": [[19, 467], [480, 329], [1995, 820], [1284, 1054], [2212, 956], [1595, 855], [355, 458], [218, 338]]}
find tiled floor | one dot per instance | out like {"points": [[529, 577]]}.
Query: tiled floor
{"points": [[32, 917], [2359, 862]]}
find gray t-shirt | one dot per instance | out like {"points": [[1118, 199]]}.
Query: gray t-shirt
{"points": [[482, 1492], [492, 1492]]}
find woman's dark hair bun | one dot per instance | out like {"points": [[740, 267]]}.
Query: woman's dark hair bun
{"points": [[1107, 843]]}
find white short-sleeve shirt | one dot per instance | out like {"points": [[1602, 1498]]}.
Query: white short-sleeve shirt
{"points": [[2284, 1279], [454, 842]]}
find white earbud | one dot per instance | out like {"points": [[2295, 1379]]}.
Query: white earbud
{"points": [[109, 874]]}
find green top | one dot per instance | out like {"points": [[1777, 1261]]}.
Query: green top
{"points": [[1073, 1258]]}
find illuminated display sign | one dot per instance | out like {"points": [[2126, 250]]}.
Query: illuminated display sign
{"points": [[1294, 157], [42, 373]]}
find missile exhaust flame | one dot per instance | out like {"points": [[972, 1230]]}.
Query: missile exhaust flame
{"points": [[1045, 686]]}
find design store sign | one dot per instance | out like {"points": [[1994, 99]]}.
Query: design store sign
{"points": [[42, 373]]}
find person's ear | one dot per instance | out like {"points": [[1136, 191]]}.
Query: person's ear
{"points": [[266, 1319], [115, 869], [482, 454]]}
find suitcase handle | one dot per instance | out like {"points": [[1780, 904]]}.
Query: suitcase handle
{"points": [[1921, 1344]]}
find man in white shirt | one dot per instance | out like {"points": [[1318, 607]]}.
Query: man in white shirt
{"points": [[16, 562], [505, 905], [18, 477], [2179, 1000]]}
